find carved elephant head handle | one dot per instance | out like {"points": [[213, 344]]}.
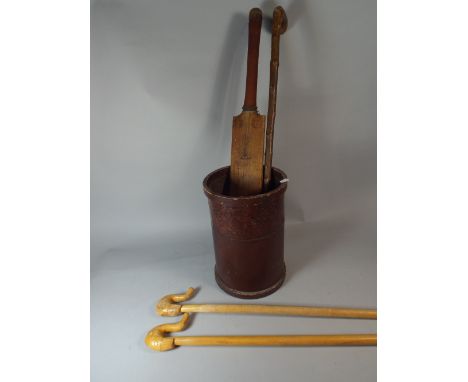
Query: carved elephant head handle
{"points": [[168, 306], [156, 340]]}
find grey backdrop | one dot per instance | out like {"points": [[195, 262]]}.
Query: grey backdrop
{"points": [[166, 79]]}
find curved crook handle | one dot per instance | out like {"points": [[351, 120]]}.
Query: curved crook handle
{"points": [[155, 338], [167, 307]]}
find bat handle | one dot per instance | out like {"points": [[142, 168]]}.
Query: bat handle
{"points": [[255, 26]]}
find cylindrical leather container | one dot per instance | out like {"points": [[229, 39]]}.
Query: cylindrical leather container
{"points": [[248, 236]]}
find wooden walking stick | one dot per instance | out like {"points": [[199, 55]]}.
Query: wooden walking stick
{"points": [[279, 26], [248, 128], [168, 306], [156, 340]]}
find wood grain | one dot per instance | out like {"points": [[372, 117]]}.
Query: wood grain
{"points": [[248, 135], [280, 340], [281, 310]]}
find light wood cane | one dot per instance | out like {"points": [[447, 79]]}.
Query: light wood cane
{"points": [[168, 306], [157, 340]]}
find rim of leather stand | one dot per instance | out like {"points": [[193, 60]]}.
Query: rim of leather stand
{"points": [[210, 193]]}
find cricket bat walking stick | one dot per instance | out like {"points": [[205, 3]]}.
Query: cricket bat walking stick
{"points": [[248, 129]]}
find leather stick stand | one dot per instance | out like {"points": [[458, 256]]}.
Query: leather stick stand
{"points": [[248, 236]]}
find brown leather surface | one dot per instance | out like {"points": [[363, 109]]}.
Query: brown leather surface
{"points": [[248, 236]]}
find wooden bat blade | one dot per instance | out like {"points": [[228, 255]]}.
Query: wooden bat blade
{"points": [[248, 140]]}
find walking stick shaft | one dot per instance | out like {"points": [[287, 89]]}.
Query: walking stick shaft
{"points": [[293, 340], [168, 306], [278, 27], [156, 339], [279, 310]]}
